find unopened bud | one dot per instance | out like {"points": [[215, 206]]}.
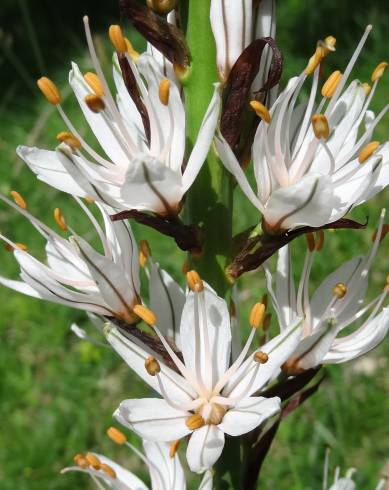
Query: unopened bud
{"points": [[117, 39], [18, 199], [173, 448], [162, 7], [195, 421], [145, 314], [60, 219], [331, 84], [261, 357], [69, 139], [194, 281], [367, 151], [340, 290], [164, 91], [378, 71], [152, 366], [94, 83], [261, 110], [49, 90], [95, 103], [116, 435], [320, 126], [108, 470], [257, 315]]}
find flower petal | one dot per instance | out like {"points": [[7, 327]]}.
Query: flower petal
{"points": [[165, 472], [204, 448]]}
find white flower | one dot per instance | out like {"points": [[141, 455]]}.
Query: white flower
{"points": [[76, 274], [235, 24], [337, 304], [313, 162], [207, 397], [143, 163]]}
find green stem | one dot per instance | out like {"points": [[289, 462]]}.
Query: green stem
{"points": [[209, 201]]}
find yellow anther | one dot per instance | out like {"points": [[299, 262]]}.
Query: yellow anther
{"points": [[320, 126], [216, 414], [340, 290], [384, 232], [319, 240], [164, 91], [49, 90], [89, 200], [18, 199], [378, 71], [261, 110], [152, 366], [310, 241], [81, 461], [145, 314], [314, 60], [117, 38], [367, 151], [60, 219], [116, 435], [130, 50], [95, 103], [328, 44], [331, 83], [195, 282], [161, 7], [195, 421], [69, 139], [18, 246], [144, 252], [108, 470], [93, 460], [173, 448], [366, 87], [94, 83], [257, 314], [261, 357]]}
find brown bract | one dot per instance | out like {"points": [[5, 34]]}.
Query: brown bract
{"points": [[167, 38], [239, 85]]}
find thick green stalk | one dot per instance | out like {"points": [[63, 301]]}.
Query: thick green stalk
{"points": [[209, 201]]}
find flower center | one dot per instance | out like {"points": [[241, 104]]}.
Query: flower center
{"points": [[212, 413]]}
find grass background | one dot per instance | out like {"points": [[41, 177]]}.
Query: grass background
{"points": [[57, 393]]}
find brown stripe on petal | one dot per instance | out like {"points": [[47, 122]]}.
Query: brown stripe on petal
{"points": [[167, 38]]}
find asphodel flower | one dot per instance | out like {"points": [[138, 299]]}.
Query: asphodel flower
{"points": [[314, 161], [235, 25], [206, 396], [337, 305], [76, 274], [161, 459], [142, 135]]}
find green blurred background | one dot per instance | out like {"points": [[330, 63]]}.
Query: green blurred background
{"points": [[58, 393]]}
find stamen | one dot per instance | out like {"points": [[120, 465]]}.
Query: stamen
{"points": [[378, 71], [152, 366], [367, 151], [145, 314], [164, 91], [144, 252], [93, 461], [310, 241], [130, 50], [195, 282], [257, 315], [261, 111], [108, 470], [340, 290], [161, 7], [314, 60], [319, 240], [19, 246], [328, 44], [116, 435], [366, 87], [69, 139], [195, 421], [49, 90], [173, 448], [60, 219], [384, 231], [95, 103], [94, 83], [89, 200], [331, 83], [18, 199], [261, 357], [81, 461], [117, 38], [320, 126]]}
